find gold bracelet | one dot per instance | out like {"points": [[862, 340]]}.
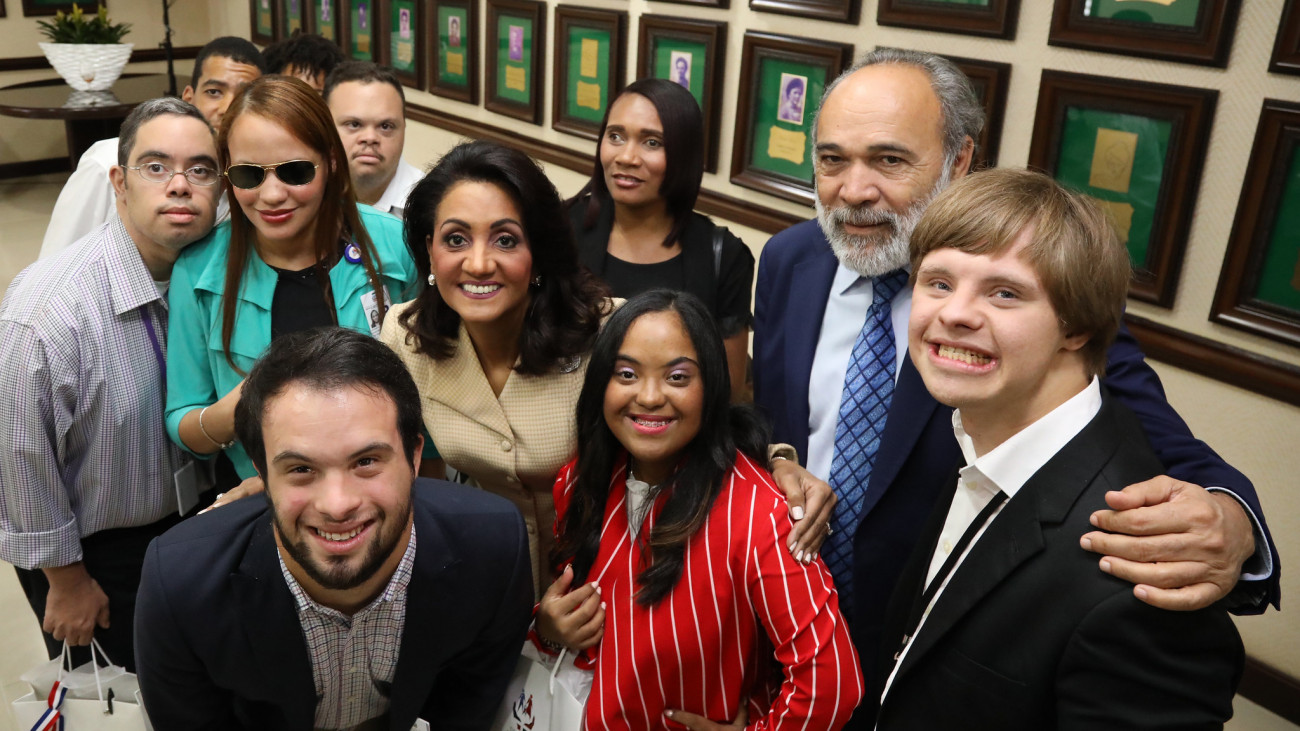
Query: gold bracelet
{"points": [[220, 445]]}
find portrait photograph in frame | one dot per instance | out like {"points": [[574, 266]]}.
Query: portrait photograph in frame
{"points": [[402, 42], [360, 29], [262, 21], [1259, 285], [1286, 50], [782, 79], [988, 18], [687, 52], [291, 17], [836, 11], [516, 65], [322, 18], [1137, 148], [590, 67], [1188, 31], [453, 62]]}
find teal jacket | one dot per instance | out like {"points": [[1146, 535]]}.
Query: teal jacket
{"points": [[197, 371]]}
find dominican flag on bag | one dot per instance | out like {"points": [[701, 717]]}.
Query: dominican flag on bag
{"points": [[52, 719]]}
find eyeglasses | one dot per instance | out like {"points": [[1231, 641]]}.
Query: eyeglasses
{"points": [[292, 172], [156, 172]]}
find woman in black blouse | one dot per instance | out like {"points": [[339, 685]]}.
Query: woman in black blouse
{"points": [[635, 220]]}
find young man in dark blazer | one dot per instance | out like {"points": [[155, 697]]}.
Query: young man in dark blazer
{"points": [[1001, 620], [314, 608]]}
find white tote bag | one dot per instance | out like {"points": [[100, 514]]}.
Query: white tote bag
{"points": [[89, 697], [544, 694]]}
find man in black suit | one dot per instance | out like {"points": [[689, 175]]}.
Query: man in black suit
{"points": [[314, 608], [1001, 620]]}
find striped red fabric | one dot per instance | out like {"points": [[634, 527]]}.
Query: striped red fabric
{"points": [[708, 645]]}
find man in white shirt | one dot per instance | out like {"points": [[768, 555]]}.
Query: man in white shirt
{"points": [[1004, 622], [369, 109], [221, 69]]}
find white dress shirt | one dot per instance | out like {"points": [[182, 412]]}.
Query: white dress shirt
{"points": [[846, 310], [394, 198]]}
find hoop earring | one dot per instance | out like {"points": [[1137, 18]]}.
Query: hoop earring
{"points": [[432, 280]]}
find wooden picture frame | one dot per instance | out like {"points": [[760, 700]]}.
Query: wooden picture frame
{"points": [[401, 40], [991, 81], [719, 4], [771, 151], [263, 21], [1259, 285], [1169, 32], [323, 18], [359, 29], [515, 43], [453, 65], [1286, 49], [664, 42], [1138, 148], [836, 11], [293, 17], [997, 19], [590, 67], [2, 8], [34, 8]]}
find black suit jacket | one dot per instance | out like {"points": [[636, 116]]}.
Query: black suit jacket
{"points": [[917, 449], [1028, 634], [219, 644]]}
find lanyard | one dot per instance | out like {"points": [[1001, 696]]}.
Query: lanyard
{"points": [[153, 340]]}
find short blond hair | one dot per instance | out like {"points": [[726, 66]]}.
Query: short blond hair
{"points": [[1074, 250]]}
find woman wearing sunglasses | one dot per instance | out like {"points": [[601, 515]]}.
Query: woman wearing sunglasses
{"points": [[297, 253]]}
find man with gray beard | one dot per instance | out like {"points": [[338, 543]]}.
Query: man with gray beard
{"points": [[832, 374]]}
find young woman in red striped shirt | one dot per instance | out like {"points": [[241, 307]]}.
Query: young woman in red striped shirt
{"points": [[675, 537]]}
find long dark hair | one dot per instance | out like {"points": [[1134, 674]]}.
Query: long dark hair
{"points": [[566, 307], [297, 107], [683, 128], [724, 430]]}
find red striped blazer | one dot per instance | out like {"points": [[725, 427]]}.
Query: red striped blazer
{"points": [[745, 621]]}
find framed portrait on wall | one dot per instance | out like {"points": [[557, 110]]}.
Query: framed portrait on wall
{"points": [[1137, 149], [1259, 285], [322, 18], [516, 32], [590, 62], [687, 52], [1286, 49], [403, 49], [291, 14], [263, 22], [360, 28], [1190, 31], [453, 64], [839, 11], [989, 18], [782, 79]]}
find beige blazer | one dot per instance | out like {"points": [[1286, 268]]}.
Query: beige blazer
{"points": [[512, 445]]}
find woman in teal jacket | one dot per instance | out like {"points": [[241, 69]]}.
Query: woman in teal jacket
{"points": [[298, 252]]}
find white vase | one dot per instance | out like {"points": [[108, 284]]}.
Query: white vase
{"points": [[88, 66]]}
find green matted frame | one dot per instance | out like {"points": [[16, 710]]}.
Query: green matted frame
{"points": [[293, 17], [1138, 149], [318, 22], [590, 67], [515, 72], [360, 43], [453, 69], [263, 21], [838, 11], [663, 40], [1189, 31], [1259, 285], [405, 55], [771, 150], [33, 8], [1286, 50], [990, 18]]}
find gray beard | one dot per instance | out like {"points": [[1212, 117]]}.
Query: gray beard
{"points": [[872, 256]]}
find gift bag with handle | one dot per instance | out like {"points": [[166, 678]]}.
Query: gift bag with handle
{"points": [[88, 697], [544, 694]]}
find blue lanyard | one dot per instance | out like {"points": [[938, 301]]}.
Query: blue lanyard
{"points": [[153, 339]]}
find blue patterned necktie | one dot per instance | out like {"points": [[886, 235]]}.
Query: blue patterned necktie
{"points": [[864, 406]]}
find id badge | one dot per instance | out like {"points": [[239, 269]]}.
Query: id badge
{"points": [[372, 310], [191, 480]]}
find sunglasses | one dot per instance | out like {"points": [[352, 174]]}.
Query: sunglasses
{"points": [[293, 172]]}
